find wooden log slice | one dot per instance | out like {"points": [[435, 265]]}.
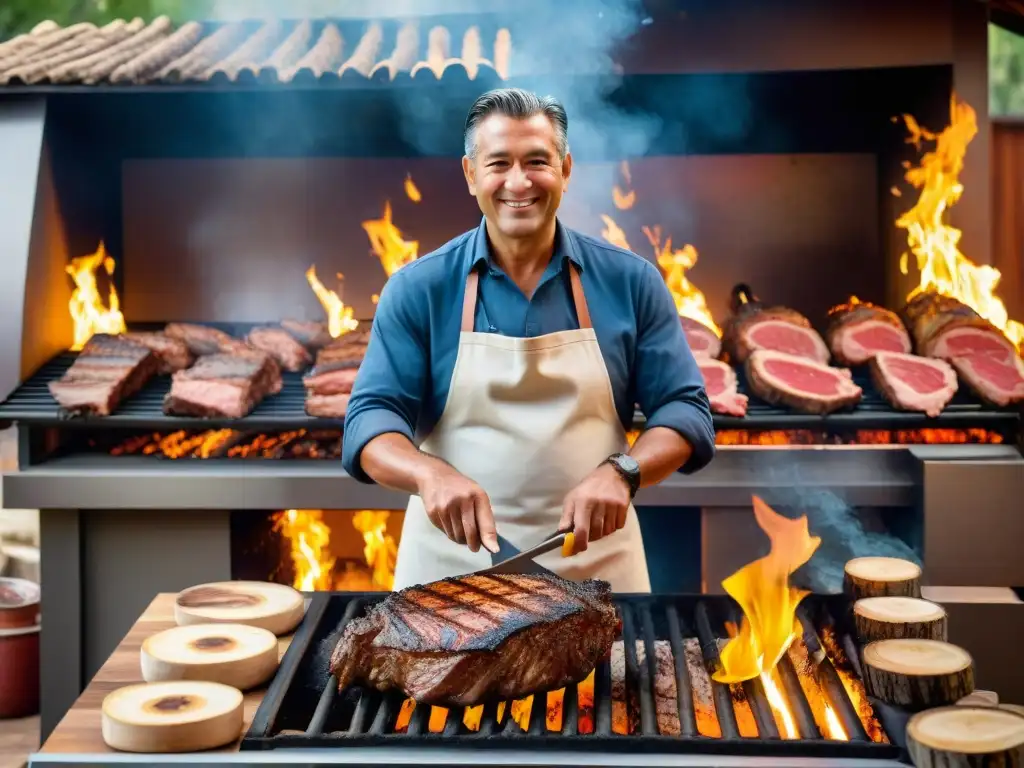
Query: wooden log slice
{"points": [[179, 716], [971, 737], [881, 577], [888, 618], [274, 607], [233, 654], [916, 674]]}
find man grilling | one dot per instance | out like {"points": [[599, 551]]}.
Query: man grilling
{"points": [[503, 369]]}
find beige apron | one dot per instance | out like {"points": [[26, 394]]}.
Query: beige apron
{"points": [[526, 419]]}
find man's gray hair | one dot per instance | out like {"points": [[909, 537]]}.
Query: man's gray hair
{"points": [[519, 105]]}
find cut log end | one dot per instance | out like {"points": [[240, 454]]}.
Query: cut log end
{"points": [[966, 736], [881, 577], [180, 716], [917, 674], [274, 607], [888, 618], [233, 654]]}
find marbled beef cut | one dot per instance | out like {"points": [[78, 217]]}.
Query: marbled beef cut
{"points": [[282, 346], [311, 334], [998, 382], [859, 330], [201, 339], [106, 371], [752, 326], [721, 385], [913, 383], [704, 343], [227, 385], [172, 354], [799, 383], [473, 639], [946, 327]]}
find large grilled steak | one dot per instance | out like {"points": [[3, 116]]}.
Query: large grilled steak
{"points": [[721, 385], [327, 406], [172, 354], [998, 382], [912, 383], [801, 384], [472, 639], [106, 371], [201, 339], [227, 385], [310, 333], [704, 343], [282, 346], [859, 330]]}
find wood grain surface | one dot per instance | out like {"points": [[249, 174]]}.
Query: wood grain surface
{"points": [[79, 731]]}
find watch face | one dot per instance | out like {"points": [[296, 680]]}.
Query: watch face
{"points": [[628, 463]]}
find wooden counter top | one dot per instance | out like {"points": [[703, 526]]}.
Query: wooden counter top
{"points": [[79, 731]]}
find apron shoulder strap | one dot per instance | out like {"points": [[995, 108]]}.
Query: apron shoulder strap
{"points": [[582, 312], [469, 302]]}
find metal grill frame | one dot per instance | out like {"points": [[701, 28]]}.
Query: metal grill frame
{"points": [[373, 714], [32, 404]]}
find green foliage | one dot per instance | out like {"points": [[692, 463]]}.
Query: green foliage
{"points": [[1005, 72], [18, 16]]}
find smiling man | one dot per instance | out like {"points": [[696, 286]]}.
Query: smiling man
{"points": [[503, 369]]}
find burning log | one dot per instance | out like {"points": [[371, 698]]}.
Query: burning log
{"points": [[966, 736], [274, 607], [917, 674], [881, 577], [888, 618], [859, 330], [233, 654]]}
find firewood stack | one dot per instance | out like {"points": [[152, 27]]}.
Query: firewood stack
{"points": [[908, 662]]}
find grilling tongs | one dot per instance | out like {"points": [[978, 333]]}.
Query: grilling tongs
{"points": [[508, 559]]}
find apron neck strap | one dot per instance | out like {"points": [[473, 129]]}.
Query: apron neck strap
{"points": [[472, 284]]}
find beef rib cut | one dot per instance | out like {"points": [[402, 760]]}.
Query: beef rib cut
{"points": [[704, 343], [796, 382], [912, 383], [721, 385], [859, 330], [998, 382]]}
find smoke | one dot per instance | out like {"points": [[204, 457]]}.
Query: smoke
{"points": [[843, 532]]}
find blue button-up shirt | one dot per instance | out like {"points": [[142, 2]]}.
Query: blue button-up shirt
{"points": [[403, 382]]}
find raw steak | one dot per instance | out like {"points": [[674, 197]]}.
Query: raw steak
{"points": [[858, 331], [172, 354], [282, 346], [801, 384], [781, 329], [327, 406], [913, 383], [310, 333], [106, 371], [946, 327], [227, 385], [704, 343], [201, 339], [472, 639], [999, 382], [720, 383]]}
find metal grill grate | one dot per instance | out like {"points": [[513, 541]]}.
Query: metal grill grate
{"points": [[304, 709], [32, 404]]}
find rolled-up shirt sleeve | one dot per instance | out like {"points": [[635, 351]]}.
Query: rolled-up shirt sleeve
{"points": [[389, 389], [669, 385]]}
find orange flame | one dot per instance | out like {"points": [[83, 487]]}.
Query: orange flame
{"points": [[387, 243], [943, 268], [309, 537], [769, 603], [833, 726], [88, 311], [613, 233], [624, 198], [339, 317], [379, 548], [411, 190], [690, 302]]}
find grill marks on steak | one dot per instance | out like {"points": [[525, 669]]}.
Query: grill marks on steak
{"points": [[857, 332], [799, 383], [106, 371], [467, 640], [201, 339], [704, 343], [913, 383], [282, 346], [329, 384], [172, 354], [227, 385], [721, 384]]}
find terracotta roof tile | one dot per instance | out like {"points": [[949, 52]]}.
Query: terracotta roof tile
{"points": [[134, 52]]}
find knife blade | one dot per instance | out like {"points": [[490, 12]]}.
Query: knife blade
{"points": [[510, 560]]}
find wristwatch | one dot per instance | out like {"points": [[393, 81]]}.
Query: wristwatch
{"points": [[628, 469]]}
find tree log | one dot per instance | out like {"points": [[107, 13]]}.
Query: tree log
{"points": [[889, 618], [917, 674], [881, 577], [966, 737]]}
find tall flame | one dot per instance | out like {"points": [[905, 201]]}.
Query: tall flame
{"points": [[387, 243], [943, 268], [88, 311], [624, 198], [769, 603], [675, 263], [339, 316], [379, 548], [309, 537]]}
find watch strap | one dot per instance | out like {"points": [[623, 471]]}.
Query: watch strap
{"points": [[632, 478]]}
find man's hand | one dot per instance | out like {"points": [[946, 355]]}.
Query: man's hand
{"points": [[459, 507], [596, 507]]}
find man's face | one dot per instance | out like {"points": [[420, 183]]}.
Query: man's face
{"points": [[516, 175]]}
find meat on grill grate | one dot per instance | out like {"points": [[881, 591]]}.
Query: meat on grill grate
{"points": [[172, 354], [721, 385], [327, 406], [913, 383], [704, 343], [857, 332], [201, 339], [775, 328], [311, 334], [106, 371], [801, 384], [946, 327], [282, 346], [329, 384], [998, 382], [227, 385], [471, 639]]}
